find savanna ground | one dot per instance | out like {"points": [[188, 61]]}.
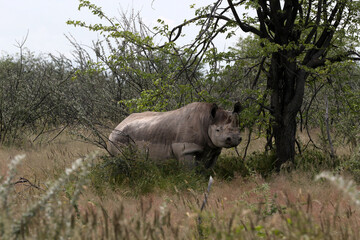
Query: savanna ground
{"points": [[157, 202]]}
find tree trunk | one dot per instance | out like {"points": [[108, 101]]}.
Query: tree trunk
{"points": [[286, 82], [284, 134]]}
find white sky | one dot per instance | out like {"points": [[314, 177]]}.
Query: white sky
{"points": [[45, 20]]}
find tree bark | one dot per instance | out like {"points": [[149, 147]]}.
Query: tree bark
{"points": [[286, 82], [284, 134]]}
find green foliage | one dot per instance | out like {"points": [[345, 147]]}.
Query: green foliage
{"points": [[310, 161], [230, 167], [352, 166], [340, 87], [345, 106], [138, 176], [162, 97], [159, 76], [262, 163], [314, 161]]}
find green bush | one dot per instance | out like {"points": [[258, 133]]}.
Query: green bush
{"points": [[228, 167], [314, 161], [352, 167], [262, 163], [44, 94], [139, 176]]}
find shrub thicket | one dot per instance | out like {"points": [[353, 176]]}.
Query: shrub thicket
{"points": [[42, 94]]}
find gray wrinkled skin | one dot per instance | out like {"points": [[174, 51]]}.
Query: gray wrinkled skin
{"points": [[194, 133]]}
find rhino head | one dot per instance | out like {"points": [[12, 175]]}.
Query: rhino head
{"points": [[224, 131]]}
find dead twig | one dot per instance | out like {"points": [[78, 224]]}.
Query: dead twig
{"points": [[27, 183]]}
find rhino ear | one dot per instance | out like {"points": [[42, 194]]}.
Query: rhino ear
{"points": [[237, 107], [214, 108]]}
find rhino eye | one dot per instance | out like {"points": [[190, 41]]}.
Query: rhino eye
{"points": [[218, 130]]}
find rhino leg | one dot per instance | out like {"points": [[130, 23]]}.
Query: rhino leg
{"points": [[210, 157], [187, 153], [211, 163]]}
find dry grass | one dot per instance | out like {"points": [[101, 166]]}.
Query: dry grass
{"points": [[257, 205], [46, 161], [249, 199]]}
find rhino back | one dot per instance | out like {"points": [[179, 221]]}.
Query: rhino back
{"points": [[187, 124]]}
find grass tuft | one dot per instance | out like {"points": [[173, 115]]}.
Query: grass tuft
{"points": [[139, 176]]}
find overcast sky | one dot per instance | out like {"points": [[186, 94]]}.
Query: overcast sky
{"points": [[45, 21]]}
